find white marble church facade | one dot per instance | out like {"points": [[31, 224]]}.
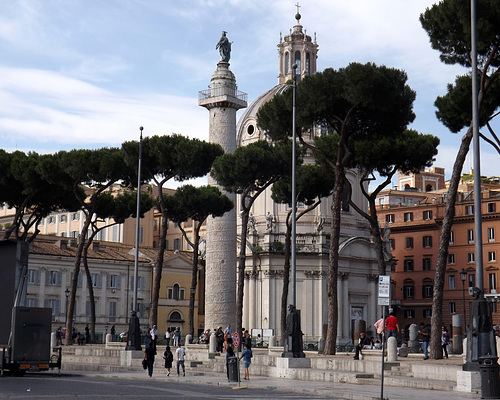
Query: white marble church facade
{"points": [[358, 272]]}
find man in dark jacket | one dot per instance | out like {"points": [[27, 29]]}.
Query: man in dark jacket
{"points": [[363, 340]]}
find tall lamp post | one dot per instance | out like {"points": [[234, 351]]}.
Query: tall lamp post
{"points": [[134, 329], [293, 342], [463, 278]]}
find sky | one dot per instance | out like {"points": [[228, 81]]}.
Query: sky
{"points": [[89, 73]]}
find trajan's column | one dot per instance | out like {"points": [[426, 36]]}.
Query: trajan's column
{"points": [[222, 100]]}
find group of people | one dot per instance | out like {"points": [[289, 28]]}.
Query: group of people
{"points": [[168, 356], [391, 326], [77, 337], [246, 354]]}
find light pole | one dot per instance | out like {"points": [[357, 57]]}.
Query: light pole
{"points": [[463, 278], [134, 330]]}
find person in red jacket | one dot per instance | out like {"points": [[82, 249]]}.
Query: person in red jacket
{"points": [[392, 326]]}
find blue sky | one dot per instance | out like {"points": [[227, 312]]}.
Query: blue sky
{"points": [[88, 73]]}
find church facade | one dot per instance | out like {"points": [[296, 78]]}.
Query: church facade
{"points": [[358, 272]]}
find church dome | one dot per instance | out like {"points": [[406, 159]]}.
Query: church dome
{"points": [[247, 130]]}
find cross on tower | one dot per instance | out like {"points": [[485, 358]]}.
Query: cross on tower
{"points": [[298, 6]]}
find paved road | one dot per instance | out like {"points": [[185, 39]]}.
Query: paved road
{"points": [[45, 386]]}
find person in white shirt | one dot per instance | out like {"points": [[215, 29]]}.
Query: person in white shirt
{"points": [[167, 336], [154, 334], [180, 352]]}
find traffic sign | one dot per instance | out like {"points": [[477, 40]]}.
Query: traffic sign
{"points": [[236, 339]]}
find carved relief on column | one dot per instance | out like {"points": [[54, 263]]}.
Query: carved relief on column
{"points": [[343, 275], [372, 277]]}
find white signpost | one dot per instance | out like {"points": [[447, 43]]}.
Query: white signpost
{"points": [[384, 299]]}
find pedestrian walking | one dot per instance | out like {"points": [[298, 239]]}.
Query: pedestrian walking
{"points": [[246, 355], [154, 334], [149, 356], [379, 326], [169, 359], [425, 333], [181, 354], [167, 336], [445, 340]]}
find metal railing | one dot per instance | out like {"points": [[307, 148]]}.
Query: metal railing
{"points": [[222, 91]]}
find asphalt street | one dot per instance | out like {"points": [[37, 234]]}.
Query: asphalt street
{"points": [[45, 386]]}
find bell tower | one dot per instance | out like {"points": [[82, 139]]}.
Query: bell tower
{"points": [[297, 48]]}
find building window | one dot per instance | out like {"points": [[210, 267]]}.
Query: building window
{"points": [[426, 264], [87, 308], [427, 289], [408, 291], [392, 243], [408, 264], [491, 234], [31, 302], [54, 304], [74, 234], [453, 309], [176, 292], [62, 218], [427, 313], [409, 243], [451, 258], [452, 237], [491, 256], [427, 215], [470, 235], [451, 282], [472, 280], [96, 280], [33, 277], [114, 281], [287, 62], [389, 218], [53, 278], [470, 257], [469, 210], [492, 207], [492, 282], [409, 313], [408, 217], [427, 241], [112, 308], [75, 216], [177, 244]]}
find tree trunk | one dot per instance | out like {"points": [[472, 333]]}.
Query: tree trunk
{"points": [[153, 318], [194, 278], [241, 266], [333, 265], [74, 282], [444, 240], [91, 290]]}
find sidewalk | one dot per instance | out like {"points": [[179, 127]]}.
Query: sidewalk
{"points": [[325, 389]]}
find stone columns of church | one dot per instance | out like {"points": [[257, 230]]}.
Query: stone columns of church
{"points": [[222, 101], [344, 320]]}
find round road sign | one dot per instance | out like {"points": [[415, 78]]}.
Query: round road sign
{"points": [[236, 340]]}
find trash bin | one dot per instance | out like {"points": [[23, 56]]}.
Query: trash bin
{"points": [[232, 369], [490, 381]]}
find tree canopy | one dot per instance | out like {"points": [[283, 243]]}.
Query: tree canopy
{"points": [[349, 109]]}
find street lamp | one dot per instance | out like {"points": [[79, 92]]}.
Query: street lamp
{"points": [[463, 278]]}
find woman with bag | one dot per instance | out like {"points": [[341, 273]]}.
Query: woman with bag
{"points": [[169, 359]]}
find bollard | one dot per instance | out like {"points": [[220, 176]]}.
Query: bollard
{"points": [[109, 338], [188, 339], [457, 334], [212, 346], [321, 345], [272, 341], [392, 349]]}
